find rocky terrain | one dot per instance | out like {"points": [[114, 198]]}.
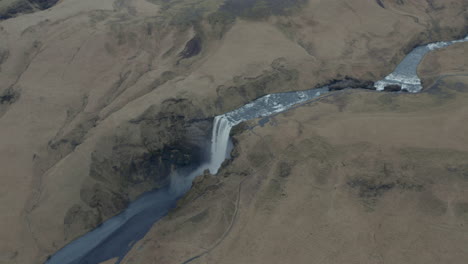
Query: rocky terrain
{"points": [[101, 100]]}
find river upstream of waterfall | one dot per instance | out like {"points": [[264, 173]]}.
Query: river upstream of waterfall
{"points": [[115, 237]]}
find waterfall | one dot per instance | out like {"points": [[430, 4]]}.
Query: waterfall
{"points": [[404, 75], [182, 181], [219, 142], [136, 220]]}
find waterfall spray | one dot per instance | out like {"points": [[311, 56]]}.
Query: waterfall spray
{"points": [[219, 142]]}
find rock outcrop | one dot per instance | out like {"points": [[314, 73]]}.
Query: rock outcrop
{"points": [[392, 88], [350, 83], [10, 9]]}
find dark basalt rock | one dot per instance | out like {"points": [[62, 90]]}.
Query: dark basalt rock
{"points": [[393, 88], [380, 3], [8, 97], [43, 4], [350, 83], [20, 7], [25, 6], [192, 48]]}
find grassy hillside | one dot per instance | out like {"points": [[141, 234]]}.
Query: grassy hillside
{"points": [[101, 100]]}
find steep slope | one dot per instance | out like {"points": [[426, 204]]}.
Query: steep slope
{"points": [[101, 100]]}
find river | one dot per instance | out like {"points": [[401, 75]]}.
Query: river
{"points": [[116, 236]]}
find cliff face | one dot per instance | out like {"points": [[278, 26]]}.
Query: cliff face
{"points": [[137, 158], [101, 100]]}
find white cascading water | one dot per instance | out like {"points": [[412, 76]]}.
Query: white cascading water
{"points": [[181, 183], [404, 75], [219, 142]]}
